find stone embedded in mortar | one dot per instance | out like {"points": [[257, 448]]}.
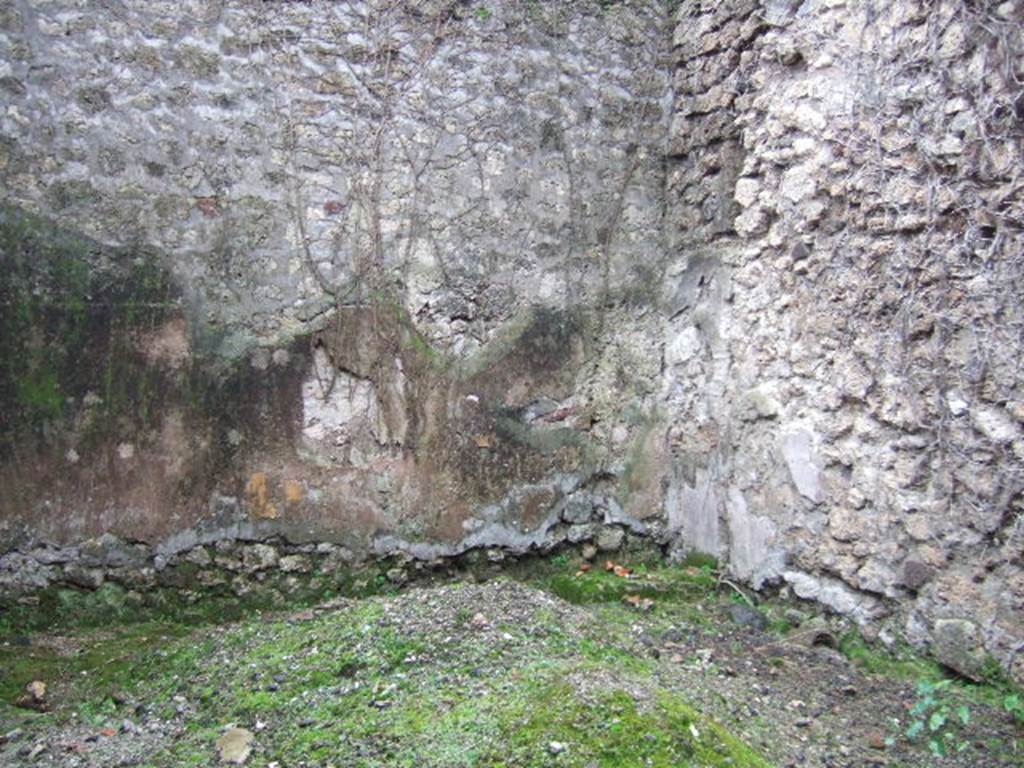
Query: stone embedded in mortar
{"points": [[54, 555], [580, 533], [228, 560], [336, 558], [848, 525], [295, 564], [198, 556], [133, 578], [22, 573], [610, 539], [995, 424], [915, 574], [578, 509], [956, 643], [82, 576], [110, 551], [259, 557], [760, 403], [877, 576]]}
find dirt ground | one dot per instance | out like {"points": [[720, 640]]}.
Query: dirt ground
{"points": [[653, 669]]}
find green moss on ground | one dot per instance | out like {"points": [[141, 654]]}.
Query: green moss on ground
{"points": [[89, 665], [900, 661], [381, 681], [351, 688], [601, 586], [452, 675]]}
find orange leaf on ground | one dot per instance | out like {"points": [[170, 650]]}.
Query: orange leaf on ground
{"points": [[643, 603]]}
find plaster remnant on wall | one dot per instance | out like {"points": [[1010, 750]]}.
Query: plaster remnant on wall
{"points": [[836, 595], [693, 513], [754, 556], [339, 412], [802, 460], [257, 492]]}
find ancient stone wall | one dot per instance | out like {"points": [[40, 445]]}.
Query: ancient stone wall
{"points": [[738, 277], [450, 206], [863, 369]]}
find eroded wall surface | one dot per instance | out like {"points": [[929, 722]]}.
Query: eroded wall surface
{"points": [[739, 277], [853, 169], [454, 209]]}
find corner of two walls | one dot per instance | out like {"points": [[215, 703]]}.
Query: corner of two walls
{"points": [[782, 329]]}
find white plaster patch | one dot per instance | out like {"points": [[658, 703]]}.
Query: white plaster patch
{"points": [[750, 539], [335, 405], [693, 513], [802, 459], [684, 346]]}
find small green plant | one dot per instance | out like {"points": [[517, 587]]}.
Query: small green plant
{"points": [[1013, 705], [705, 562], [560, 561], [482, 13], [738, 598], [935, 718]]}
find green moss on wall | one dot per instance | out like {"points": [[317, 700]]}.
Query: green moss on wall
{"points": [[70, 315]]}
